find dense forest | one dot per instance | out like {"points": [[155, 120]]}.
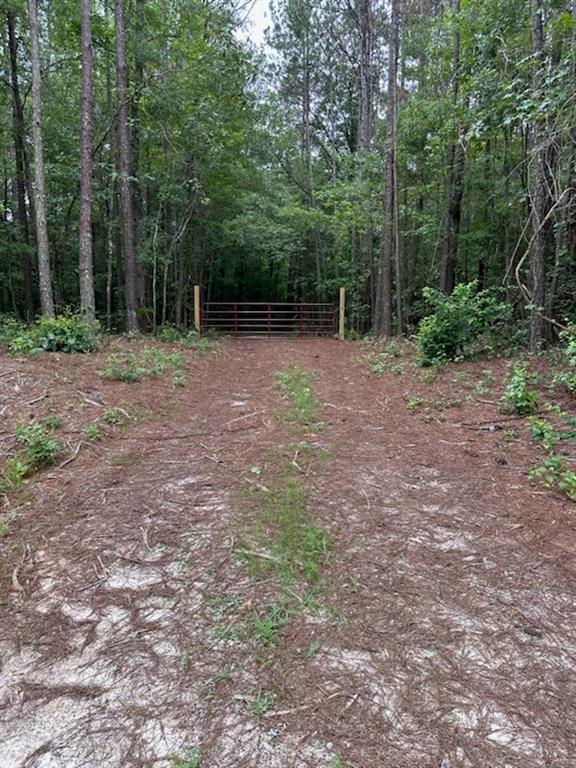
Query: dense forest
{"points": [[382, 146]]}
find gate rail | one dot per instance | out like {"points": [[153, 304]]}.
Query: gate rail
{"points": [[270, 318]]}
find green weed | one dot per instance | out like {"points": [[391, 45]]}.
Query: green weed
{"points": [[555, 474], [152, 362], [116, 417], [192, 759], [517, 397], [41, 447], [93, 432], [267, 623], [261, 703], [294, 384]]}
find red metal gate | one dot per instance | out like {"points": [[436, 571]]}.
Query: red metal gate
{"points": [[269, 318]]}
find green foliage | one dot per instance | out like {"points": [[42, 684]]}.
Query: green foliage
{"points": [[294, 384], [152, 362], [517, 397], [192, 759], [93, 432], [5, 521], [555, 474], [298, 546], [41, 447], [267, 623], [13, 474], [187, 338], [383, 356], [116, 417], [567, 379], [457, 322], [10, 328], [66, 333], [261, 703]]}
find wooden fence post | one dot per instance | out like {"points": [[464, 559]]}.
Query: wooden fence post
{"points": [[197, 309], [342, 323]]}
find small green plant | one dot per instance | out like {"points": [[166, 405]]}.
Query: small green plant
{"points": [[517, 397], [485, 384], [179, 379], [510, 434], [544, 433], [414, 404], [261, 703], [192, 759], [555, 474], [457, 322], [116, 417], [41, 447], [5, 521], [93, 432], [66, 333], [268, 623], [52, 422], [12, 477], [312, 650]]}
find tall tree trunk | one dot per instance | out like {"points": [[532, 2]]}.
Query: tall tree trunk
{"points": [[19, 155], [306, 148], [138, 194], [125, 169], [44, 270], [365, 17], [455, 176], [383, 314], [86, 271], [538, 191]]}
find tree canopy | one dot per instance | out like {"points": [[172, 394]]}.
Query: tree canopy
{"points": [[384, 146]]}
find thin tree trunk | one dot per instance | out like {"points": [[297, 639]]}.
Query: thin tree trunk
{"points": [[86, 271], [383, 314], [19, 155], [455, 175], [44, 270], [538, 192], [125, 168]]}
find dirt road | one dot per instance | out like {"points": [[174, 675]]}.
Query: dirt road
{"points": [[447, 637]]}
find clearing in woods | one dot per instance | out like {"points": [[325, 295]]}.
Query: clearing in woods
{"points": [[284, 571]]}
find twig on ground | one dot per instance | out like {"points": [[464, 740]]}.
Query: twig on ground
{"points": [[241, 418], [230, 550], [262, 555], [37, 399], [70, 459]]}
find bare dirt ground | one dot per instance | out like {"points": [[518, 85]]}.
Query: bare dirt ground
{"points": [[449, 634]]}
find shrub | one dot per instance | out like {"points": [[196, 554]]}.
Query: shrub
{"points": [[67, 333], [42, 448], [555, 474], [10, 328], [457, 322], [567, 379], [184, 337], [151, 362], [517, 398]]}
